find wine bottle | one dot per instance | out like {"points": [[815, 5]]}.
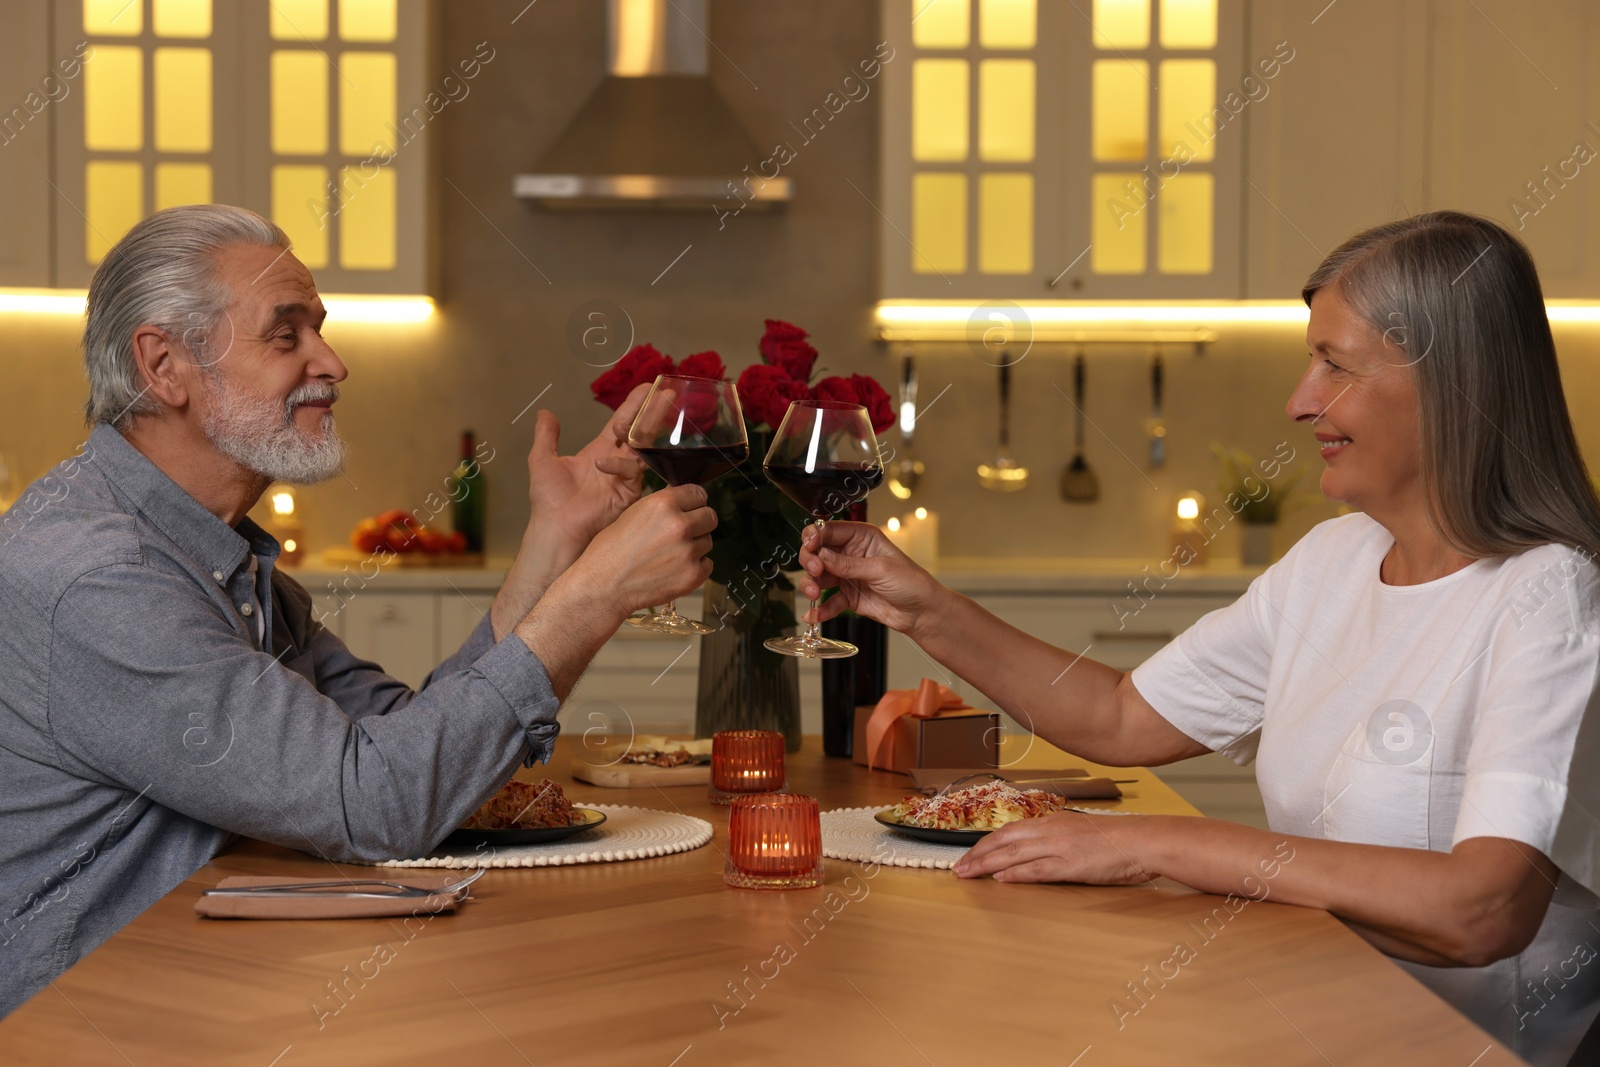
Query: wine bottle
{"points": [[468, 509], [859, 680]]}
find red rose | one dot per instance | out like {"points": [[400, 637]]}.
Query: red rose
{"points": [[837, 389], [784, 345], [642, 364], [766, 392], [703, 365], [871, 396]]}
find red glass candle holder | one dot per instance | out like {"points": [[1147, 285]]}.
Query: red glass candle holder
{"points": [[774, 842], [745, 762]]}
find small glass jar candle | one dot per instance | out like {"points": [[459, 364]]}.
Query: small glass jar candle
{"points": [[745, 762], [774, 842]]}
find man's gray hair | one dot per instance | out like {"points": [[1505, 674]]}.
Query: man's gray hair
{"points": [[162, 273]]}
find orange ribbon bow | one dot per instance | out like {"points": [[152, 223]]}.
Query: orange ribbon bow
{"points": [[925, 702]]}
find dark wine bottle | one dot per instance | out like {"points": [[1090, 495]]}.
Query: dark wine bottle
{"points": [[859, 680], [469, 506]]}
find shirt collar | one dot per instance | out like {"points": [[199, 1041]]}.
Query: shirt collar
{"points": [[218, 547]]}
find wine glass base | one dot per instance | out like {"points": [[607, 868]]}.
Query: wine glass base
{"points": [[812, 647], [670, 624]]}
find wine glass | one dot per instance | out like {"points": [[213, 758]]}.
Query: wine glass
{"points": [[824, 457], [689, 431]]}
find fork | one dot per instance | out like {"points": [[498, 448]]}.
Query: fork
{"points": [[401, 889]]}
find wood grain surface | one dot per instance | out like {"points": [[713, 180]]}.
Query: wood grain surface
{"points": [[658, 963]]}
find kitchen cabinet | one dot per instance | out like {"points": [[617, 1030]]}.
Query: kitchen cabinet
{"points": [[31, 90], [1051, 151], [400, 631], [1341, 142], [290, 111], [1391, 109], [645, 683], [409, 622], [1515, 130]]}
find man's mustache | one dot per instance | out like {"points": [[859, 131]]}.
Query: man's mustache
{"points": [[311, 392]]}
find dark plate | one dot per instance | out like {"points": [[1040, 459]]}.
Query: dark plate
{"points": [[938, 837], [591, 819]]}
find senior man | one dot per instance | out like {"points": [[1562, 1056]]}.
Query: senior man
{"points": [[163, 687]]}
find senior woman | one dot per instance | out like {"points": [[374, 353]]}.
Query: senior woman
{"points": [[1414, 680]]}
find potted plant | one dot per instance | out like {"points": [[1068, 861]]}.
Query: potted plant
{"points": [[1250, 490]]}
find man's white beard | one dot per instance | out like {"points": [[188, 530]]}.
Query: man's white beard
{"points": [[263, 437]]}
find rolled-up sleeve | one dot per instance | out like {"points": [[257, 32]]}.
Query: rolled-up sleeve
{"points": [[176, 704]]}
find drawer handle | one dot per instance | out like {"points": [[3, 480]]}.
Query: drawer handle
{"points": [[390, 613], [1111, 636]]}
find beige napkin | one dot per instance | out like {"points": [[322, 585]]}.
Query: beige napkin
{"points": [[260, 907]]}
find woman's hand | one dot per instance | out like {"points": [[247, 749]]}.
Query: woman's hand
{"points": [[874, 577], [1068, 846]]}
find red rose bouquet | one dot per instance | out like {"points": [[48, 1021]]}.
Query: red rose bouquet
{"points": [[757, 526]]}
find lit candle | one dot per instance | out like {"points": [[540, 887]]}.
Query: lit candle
{"points": [[1189, 540], [917, 535], [284, 524]]}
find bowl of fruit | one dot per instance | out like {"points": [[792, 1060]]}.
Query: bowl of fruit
{"points": [[400, 536]]}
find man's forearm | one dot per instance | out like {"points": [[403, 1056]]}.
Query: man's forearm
{"points": [[567, 627], [542, 557]]}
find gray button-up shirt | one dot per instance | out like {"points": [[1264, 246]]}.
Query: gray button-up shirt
{"points": [[145, 720]]}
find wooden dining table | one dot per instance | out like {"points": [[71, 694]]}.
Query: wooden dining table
{"points": [[658, 962]]}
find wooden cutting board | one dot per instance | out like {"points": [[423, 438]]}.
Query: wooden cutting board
{"points": [[631, 775]]}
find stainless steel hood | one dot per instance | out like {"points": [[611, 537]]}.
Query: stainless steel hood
{"points": [[655, 134]]}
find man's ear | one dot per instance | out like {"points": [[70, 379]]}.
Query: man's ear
{"points": [[161, 367]]}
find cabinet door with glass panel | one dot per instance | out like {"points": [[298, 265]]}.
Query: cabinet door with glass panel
{"points": [[1036, 151], [290, 107]]}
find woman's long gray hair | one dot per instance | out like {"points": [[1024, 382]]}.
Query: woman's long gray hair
{"points": [[1458, 296], [163, 272]]}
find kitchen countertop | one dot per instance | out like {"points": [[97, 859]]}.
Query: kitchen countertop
{"points": [[973, 575]]}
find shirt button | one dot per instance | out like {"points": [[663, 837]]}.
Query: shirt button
{"points": [[247, 610], [217, 575]]}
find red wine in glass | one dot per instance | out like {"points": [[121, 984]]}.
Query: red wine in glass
{"points": [[826, 491], [689, 431], [824, 457], [693, 466]]}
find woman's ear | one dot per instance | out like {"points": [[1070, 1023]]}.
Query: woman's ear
{"points": [[163, 371]]}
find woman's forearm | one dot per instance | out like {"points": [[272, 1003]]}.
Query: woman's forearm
{"points": [[1071, 701], [1481, 902]]}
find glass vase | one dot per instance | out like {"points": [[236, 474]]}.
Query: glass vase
{"points": [[743, 686]]}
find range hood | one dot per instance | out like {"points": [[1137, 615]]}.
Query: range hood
{"points": [[655, 134]]}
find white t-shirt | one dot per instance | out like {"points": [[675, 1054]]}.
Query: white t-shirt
{"points": [[1419, 716]]}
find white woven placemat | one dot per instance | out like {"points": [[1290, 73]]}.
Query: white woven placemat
{"points": [[629, 833], [853, 834]]}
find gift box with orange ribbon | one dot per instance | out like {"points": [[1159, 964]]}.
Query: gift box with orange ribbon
{"points": [[929, 726]]}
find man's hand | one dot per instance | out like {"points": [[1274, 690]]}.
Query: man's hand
{"points": [[580, 495], [572, 499], [654, 552]]}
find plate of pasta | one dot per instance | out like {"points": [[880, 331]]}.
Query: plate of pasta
{"points": [[524, 813], [962, 817]]}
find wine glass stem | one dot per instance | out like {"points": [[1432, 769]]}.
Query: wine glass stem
{"points": [[670, 609], [813, 632]]}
